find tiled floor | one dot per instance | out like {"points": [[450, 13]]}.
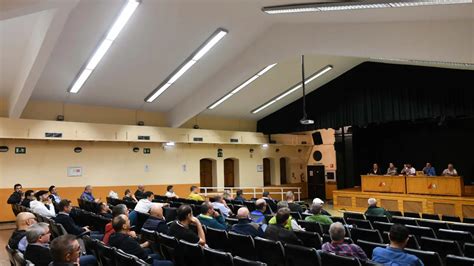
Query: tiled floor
{"points": [[6, 230]]}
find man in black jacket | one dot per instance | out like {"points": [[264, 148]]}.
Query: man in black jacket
{"points": [[16, 196], [23, 221], [245, 226], [277, 232], [68, 223], [37, 251], [156, 221]]}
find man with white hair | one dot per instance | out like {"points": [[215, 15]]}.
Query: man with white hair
{"points": [[373, 210], [37, 251], [258, 214], [337, 245], [318, 201], [245, 226]]}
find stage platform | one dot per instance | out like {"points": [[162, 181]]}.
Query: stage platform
{"points": [[353, 199]]}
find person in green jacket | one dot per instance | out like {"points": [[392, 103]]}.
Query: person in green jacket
{"points": [[316, 216], [373, 210], [211, 218]]}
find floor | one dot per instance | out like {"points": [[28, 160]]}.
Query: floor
{"points": [[6, 230]]}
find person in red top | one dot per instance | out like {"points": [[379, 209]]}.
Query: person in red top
{"points": [[109, 230]]}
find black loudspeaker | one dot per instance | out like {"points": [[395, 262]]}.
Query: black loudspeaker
{"points": [[317, 139], [317, 156]]}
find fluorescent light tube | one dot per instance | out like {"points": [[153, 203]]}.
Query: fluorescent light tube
{"points": [[192, 59], [241, 86], [292, 89], [125, 14], [170, 143]]}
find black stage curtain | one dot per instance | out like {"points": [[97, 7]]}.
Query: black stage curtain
{"points": [[379, 93]]}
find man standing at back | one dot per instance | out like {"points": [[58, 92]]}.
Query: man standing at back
{"points": [[394, 254]]}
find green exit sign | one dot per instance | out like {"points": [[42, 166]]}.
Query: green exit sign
{"points": [[20, 150], [146, 150]]}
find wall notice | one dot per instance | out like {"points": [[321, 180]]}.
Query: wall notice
{"points": [[74, 171]]}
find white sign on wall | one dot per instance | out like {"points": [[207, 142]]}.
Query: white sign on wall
{"points": [[260, 168], [74, 171]]}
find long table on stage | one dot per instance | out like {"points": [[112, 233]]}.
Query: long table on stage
{"points": [[435, 185], [382, 183]]}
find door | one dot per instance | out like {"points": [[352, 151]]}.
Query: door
{"points": [[267, 175], [316, 182], [206, 173], [283, 171], [229, 172]]}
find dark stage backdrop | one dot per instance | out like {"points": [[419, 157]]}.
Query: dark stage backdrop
{"points": [[416, 143]]}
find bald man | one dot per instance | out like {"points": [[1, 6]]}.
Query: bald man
{"points": [[23, 221], [245, 226], [156, 221]]}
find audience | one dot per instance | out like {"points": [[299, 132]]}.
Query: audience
{"points": [[42, 205], [316, 216], [37, 251], [294, 207], [219, 203], [140, 192], [65, 250], [104, 210], [227, 195], [394, 253], [450, 171], [258, 215], [429, 170], [23, 221], [319, 202], [109, 230], [68, 223], [373, 210], [375, 170], [128, 196], [337, 245], [278, 232], [271, 203], [156, 221], [53, 194], [170, 192], [16, 196], [180, 228], [291, 223], [29, 197], [210, 218], [144, 204], [245, 226], [87, 194], [239, 195], [194, 195], [391, 170]]}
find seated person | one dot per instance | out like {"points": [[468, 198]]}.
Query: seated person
{"points": [[375, 170], [409, 170], [373, 210], [43, 205], [29, 197], [23, 221], [156, 221], [245, 226], [37, 251], [122, 240], [180, 228], [394, 253], [140, 192], [278, 232], [391, 170], [219, 203], [291, 223], [210, 218], [450, 171], [68, 223], [194, 195], [170, 192], [316, 216], [429, 170], [144, 205], [294, 207], [404, 170], [53, 194], [129, 196], [319, 202], [239, 195], [226, 195], [65, 250], [104, 210], [87, 194], [258, 215], [271, 203], [109, 230], [337, 245], [16, 196]]}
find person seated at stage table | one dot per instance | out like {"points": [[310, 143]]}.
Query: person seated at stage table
{"points": [[392, 170], [429, 170], [87, 194], [408, 170], [450, 171], [375, 170], [394, 253], [373, 210], [194, 195], [337, 232]]}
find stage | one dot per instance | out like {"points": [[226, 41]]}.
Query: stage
{"points": [[353, 199]]}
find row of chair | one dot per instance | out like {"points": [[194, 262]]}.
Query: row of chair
{"points": [[16, 257], [426, 216]]}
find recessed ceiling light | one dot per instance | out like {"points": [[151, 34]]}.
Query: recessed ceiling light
{"points": [[104, 46], [292, 89], [354, 5], [186, 65], [241, 86]]}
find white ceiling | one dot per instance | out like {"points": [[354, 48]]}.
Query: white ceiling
{"points": [[162, 33]]}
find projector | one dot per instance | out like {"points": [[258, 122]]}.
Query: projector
{"points": [[306, 121]]}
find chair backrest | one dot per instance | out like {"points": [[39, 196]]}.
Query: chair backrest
{"points": [[269, 251], [396, 213], [148, 235], [231, 221], [368, 246], [296, 215], [360, 223], [301, 256], [91, 245], [122, 258], [462, 227], [189, 254], [217, 258], [141, 218], [430, 216], [239, 261], [19, 259], [311, 226], [242, 245], [452, 260], [469, 250], [371, 235], [355, 215], [436, 225], [217, 239], [327, 238], [450, 218], [443, 247], [170, 213], [412, 240], [460, 236], [309, 239], [11, 252], [469, 220], [412, 214], [382, 227], [420, 231], [333, 259], [106, 254], [168, 244], [404, 220], [430, 258], [373, 219], [338, 219]]}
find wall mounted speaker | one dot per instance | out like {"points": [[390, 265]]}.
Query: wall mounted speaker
{"points": [[3, 148], [317, 139], [78, 150], [317, 156], [136, 149]]}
